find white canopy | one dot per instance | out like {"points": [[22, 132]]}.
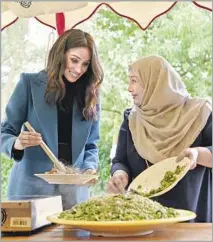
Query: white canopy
{"points": [[143, 13]]}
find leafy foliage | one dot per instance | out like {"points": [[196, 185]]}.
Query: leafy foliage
{"points": [[6, 165], [183, 36]]}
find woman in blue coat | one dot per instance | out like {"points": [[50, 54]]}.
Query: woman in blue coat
{"points": [[165, 122], [62, 105]]}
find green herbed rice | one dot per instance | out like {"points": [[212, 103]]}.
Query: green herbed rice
{"points": [[125, 207], [169, 178]]}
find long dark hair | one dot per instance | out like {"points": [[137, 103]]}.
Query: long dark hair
{"points": [[87, 87]]}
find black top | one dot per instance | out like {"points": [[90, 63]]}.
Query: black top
{"points": [[64, 112], [193, 192]]}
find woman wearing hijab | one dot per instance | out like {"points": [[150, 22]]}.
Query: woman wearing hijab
{"points": [[165, 122], [62, 105]]}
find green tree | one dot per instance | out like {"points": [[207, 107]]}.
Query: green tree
{"points": [[183, 36]]}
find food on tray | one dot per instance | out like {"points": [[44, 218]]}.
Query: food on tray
{"points": [[169, 178], [53, 171], [125, 207], [68, 170]]}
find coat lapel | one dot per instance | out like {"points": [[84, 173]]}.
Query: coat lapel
{"points": [[46, 114]]}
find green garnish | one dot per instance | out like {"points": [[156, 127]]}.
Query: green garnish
{"points": [[169, 178], [126, 207]]}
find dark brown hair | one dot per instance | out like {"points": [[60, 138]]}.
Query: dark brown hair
{"points": [[87, 87]]}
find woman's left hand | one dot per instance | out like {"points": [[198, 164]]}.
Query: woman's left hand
{"points": [[192, 154], [91, 172]]}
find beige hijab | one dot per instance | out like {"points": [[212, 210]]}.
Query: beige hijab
{"points": [[168, 120]]}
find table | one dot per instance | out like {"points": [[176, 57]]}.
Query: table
{"points": [[179, 231]]}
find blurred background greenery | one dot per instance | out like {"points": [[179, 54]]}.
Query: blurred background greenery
{"points": [[183, 36]]}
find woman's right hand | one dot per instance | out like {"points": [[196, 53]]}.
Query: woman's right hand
{"points": [[118, 182], [27, 139]]}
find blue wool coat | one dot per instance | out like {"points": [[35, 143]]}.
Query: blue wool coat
{"points": [[27, 103]]}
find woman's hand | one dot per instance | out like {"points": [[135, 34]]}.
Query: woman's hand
{"points": [[27, 139], [118, 182], [198, 155], [192, 154], [91, 172]]}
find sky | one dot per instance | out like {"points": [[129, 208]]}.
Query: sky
{"points": [[41, 30]]}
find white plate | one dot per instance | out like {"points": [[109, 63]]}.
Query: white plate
{"points": [[75, 179], [151, 177]]}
